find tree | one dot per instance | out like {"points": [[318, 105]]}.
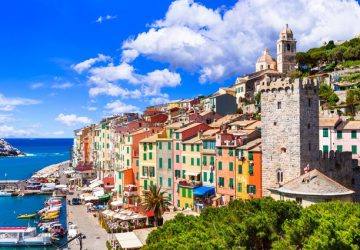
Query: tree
{"points": [[155, 200], [330, 45], [352, 99]]}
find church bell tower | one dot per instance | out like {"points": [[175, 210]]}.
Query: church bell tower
{"points": [[286, 51]]}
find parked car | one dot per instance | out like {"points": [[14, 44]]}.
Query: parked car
{"points": [[75, 201]]}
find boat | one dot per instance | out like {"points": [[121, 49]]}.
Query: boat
{"points": [[105, 197], [33, 185], [48, 187], [49, 217], [23, 236], [26, 216], [57, 231], [5, 193], [49, 209]]}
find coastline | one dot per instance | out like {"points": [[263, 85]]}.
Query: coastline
{"points": [[50, 170]]}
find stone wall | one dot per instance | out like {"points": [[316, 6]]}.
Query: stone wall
{"points": [[290, 128]]}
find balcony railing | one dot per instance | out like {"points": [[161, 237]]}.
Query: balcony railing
{"points": [[190, 183]]}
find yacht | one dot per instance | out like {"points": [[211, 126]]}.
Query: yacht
{"points": [[23, 236], [5, 193]]}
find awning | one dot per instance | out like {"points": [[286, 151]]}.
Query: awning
{"points": [[128, 240], [96, 184], [90, 198], [117, 203], [192, 173], [69, 171], [201, 191]]}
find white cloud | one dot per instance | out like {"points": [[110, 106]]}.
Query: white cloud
{"points": [[6, 118], [111, 89], [10, 103], [37, 85], [9, 131], [100, 19], [92, 108], [72, 119], [221, 44], [85, 65], [117, 107], [159, 100], [111, 73], [65, 85]]}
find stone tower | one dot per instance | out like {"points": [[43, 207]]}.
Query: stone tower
{"points": [[290, 129], [286, 51]]}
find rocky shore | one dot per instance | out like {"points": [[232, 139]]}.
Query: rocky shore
{"points": [[7, 150]]}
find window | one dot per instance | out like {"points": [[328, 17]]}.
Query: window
{"points": [[231, 166], [160, 163], [279, 105], [178, 203], [137, 176], [220, 165], [280, 176], [354, 149], [197, 147], [160, 145], [145, 146], [120, 175], [183, 174], [137, 163], [177, 158], [339, 148], [205, 176], [169, 145], [184, 160], [184, 147], [251, 189], [151, 183], [144, 156], [192, 147], [177, 173], [204, 160], [128, 162], [177, 146], [251, 156], [231, 183], [169, 163], [189, 193], [275, 123], [170, 198], [239, 169], [231, 152], [198, 161], [160, 181], [128, 138], [211, 179], [288, 47], [145, 185], [325, 149], [183, 192], [212, 160], [220, 151], [239, 187], [221, 181], [309, 102], [169, 182], [150, 146], [353, 134], [152, 171], [309, 145], [339, 134], [251, 169], [308, 125], [325, 132], [192, 161], [127, 150], [177, 135], [150, 156]]}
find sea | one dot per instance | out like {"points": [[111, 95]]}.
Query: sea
{"points": [[39, 154]]}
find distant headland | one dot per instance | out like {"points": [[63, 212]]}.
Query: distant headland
{"points": [[8, 150]]}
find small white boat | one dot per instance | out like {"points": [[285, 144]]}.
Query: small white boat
{"points": [[5, 193], [23, 236]]}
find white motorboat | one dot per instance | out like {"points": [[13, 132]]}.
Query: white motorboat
{"points": [[23, 236], [5, 193]]}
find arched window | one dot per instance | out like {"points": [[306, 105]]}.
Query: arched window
{"points": [[288, 47], [279, 176]]}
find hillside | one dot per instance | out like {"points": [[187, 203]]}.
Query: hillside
{"points": [[7, 150]]}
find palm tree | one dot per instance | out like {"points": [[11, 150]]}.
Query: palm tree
{"points": [[156, 201]]}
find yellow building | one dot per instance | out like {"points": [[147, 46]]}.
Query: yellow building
{"points": [[147, 163], [186, 196]]}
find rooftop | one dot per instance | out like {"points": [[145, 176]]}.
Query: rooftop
{"points": [[151, 138], [314, 183], [328, 122], [192, 125], [251, 144], [176, 125], [225, 120], [351, 125], [244, 123]]}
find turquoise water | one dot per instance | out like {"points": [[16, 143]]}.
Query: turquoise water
{"points": [[42, 152]]}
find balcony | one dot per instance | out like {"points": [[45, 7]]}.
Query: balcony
{"points": [[130, 190], [190, 183]]}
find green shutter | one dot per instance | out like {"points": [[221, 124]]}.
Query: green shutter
{"points": [[145, 185], [145, 146], [160, 180], [183, 174], [231, 152], [353, 134], [212, 160], [251, 169], [160, 163], [171, 133], [251, 156], [184, 160], [339, 148], [151, 183], [354, 149], [150, 146], [220, 151], [120, 189], [119, 175], [177, 146], [205, 176], [189, 193], [128, 138], [325, 132], [183, 192], [184, 147], [169, 182], [204, 160], [144, 156], [239, 169], [192, 147], [231, 183], [177, 135], [339, 134], [211, 179], [150, 156], [160, 145], [325, 148], [137, 176], [198, 161], [198, 148], [192, 161], [127, 150], [169, 145], [220, 165], [231, 166], [169, 163], [239, 187], [128, 162], [137, 163], [177, 158]]}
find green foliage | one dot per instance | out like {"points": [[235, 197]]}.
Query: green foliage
{"points": [[295, 74], [351, 78], [353, 99], [327, 94], [263, 224], [349, 64]]}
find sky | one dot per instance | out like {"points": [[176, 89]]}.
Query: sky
{"points": [[65, 64]]}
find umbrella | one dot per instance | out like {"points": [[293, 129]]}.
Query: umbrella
{"points": [[89, 204]]}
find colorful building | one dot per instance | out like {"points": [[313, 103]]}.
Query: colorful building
{"points": [[147, 163]]}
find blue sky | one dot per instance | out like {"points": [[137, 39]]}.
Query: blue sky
{"points": [[67, 63]]}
